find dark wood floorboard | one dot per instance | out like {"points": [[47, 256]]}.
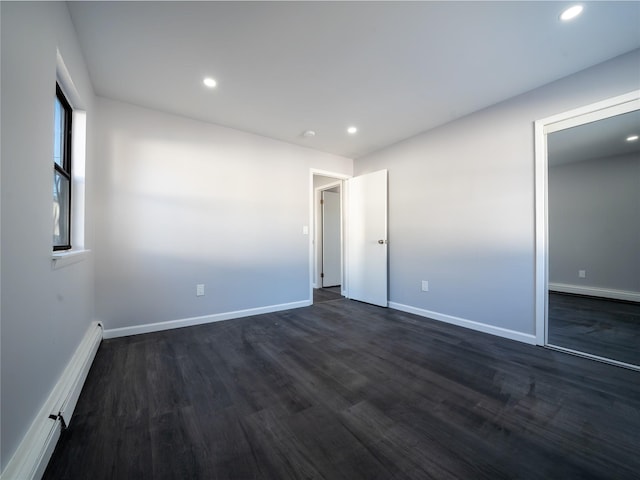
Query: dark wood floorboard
{"points": [[345, 390], [599, 326], [326, 294]]}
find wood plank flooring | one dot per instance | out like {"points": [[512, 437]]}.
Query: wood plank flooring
{"points": [[344, 390], [603, 327], [326, 294]]}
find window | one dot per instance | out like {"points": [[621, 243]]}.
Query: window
{"points": [[61, 172]]}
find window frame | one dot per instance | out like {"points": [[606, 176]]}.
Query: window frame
{"points": [[65, 169]]}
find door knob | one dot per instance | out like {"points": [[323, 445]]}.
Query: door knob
{"points": [[381, 242]]}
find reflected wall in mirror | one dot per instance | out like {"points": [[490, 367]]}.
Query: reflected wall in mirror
{"points": [[593, 215]]}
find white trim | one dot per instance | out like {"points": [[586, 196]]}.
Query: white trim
{"points": [[66, 83], [609, 107], [595, 291], [463, 322], [192, 321], [541, 237], [33, 453], [578, 116], [68, 257]]}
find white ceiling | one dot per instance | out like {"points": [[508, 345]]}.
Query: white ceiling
{"points": [[393, 69]]}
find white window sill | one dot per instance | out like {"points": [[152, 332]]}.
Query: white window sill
{"points": [[69, 257]]}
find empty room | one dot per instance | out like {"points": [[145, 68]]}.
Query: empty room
{"points": [[328, 240]]}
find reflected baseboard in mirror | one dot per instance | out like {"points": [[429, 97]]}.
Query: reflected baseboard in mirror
{"points": [[597, 326]]}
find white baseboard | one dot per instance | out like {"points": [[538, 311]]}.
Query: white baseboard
{"points": [[189, 322], [595, 292], [33, 454], [462, 322]]}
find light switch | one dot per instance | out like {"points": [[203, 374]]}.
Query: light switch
{"points": [[305, 230]]}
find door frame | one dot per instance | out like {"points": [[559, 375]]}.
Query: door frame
{"points": [[314, 207]]}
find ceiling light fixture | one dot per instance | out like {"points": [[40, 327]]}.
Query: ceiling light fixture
{"points": [[351, 130], [308, 133], [210, 82], [571, 13], [632, 138]]}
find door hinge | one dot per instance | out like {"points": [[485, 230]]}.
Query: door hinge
{"points": [[321, 202], [322, 275]]}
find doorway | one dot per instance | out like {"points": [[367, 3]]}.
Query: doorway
{"points": [[328, 238], [363, 249]]}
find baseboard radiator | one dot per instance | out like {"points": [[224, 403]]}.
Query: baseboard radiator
{"points": [[595, 292], [33, 454]]}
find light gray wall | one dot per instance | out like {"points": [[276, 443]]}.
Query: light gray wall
{"points": [[594, 223], [461, 202], [45, 312], [183, 202]]}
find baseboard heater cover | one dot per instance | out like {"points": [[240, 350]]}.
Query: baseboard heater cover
{"points": [[595, 292], [33, 454]]}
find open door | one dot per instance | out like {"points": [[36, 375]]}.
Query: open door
{"points": [[367, 275]]}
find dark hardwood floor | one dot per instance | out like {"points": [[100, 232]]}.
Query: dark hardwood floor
{"points": [[326, 294], [607, 328], [344, 390]]}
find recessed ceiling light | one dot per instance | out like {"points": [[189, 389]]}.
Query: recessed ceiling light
{"points": [[351, 130], [632, 138], [571, 13], [210, 82], [308, 133]]}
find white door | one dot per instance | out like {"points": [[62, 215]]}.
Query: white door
{"points": [[331, 260], [367, 238]]}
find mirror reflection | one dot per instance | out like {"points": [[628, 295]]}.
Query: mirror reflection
{"points": [[594, 238]]}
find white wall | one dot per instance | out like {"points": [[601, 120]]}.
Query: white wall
{"points": [[45, 312], [594, 223], [461, 202], [184, 202]]}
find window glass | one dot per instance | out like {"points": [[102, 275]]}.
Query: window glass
{"points": [[58, 133], [61, 213], [61, 172]]}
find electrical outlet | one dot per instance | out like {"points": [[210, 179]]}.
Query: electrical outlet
{"points": [[425, 286], [582, 274], [200, 290]]}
